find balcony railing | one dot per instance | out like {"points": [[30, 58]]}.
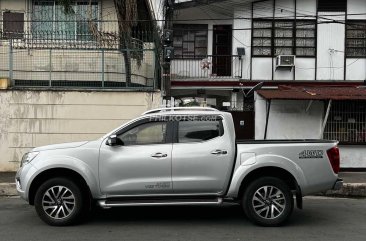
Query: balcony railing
{"points": [[97, 59], [211, 67]]}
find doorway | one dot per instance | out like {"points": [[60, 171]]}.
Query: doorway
{"points": [[222, 47]]}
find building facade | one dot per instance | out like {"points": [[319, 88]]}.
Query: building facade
{"points": [[71, 74], [225, 48]]}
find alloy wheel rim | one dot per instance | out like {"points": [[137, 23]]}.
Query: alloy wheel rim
{"points": [[269, 202], [58, 202]]}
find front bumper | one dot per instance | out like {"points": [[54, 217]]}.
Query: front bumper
{"points": [[338, 184], [23, 178]]}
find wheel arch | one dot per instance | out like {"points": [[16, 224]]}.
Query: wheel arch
{"points": [[57, 172], [269, 171]]}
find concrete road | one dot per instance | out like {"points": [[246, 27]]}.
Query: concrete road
{"points": [[322, 219]]}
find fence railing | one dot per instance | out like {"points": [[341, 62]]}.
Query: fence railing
{"points": [[89, 59], [207, 67], [84, 34], [79, 68]]}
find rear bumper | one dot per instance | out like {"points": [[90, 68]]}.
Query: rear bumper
{"points": [[338, 184]]}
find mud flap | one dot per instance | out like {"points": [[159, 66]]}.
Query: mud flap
{"points": [[298, 198]]}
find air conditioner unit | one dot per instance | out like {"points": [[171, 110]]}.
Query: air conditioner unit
{"points": [[285, 61]]}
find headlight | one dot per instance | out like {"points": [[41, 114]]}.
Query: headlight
{"points": [[28, 157]]}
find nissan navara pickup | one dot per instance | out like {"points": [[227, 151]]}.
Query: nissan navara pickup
{"points": [[177, 156]]}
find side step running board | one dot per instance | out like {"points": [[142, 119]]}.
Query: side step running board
{"points": [[171, 202]]}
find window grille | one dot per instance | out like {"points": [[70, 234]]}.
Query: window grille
{"points": [[356, 39], [190, 40], [284, 37], [347, 122], [51, 22]]}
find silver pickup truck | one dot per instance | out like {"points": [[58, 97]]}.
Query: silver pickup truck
{"points": [[177, 156]]}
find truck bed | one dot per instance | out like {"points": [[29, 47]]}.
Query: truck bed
{"points": [[282, 141]]}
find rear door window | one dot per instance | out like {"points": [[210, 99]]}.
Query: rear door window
{"points": [[197, 131]]}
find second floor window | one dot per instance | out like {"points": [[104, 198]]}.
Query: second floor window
{"points": [[284, 37], [356, 39], [190, 40], [50, 21]]}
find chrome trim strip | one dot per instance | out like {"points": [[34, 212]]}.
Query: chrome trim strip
{"points": [[103, 203]]}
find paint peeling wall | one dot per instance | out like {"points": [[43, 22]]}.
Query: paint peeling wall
{"points": [[35, 118]]}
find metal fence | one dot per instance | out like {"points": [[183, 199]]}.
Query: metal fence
{"points": [[207, 67], [347, 122], [92, 59]]}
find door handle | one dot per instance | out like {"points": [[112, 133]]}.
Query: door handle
{"points": [[159, 155], [219, 152]]}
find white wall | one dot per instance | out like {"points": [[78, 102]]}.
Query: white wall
{"points": [[284, 119], [242, 38], [305, 68], [35, 118], [356, 7], [353, 156], [304, 8], [261, 68], [263, 9], [330, 64], [285, 9], [356, 69]]}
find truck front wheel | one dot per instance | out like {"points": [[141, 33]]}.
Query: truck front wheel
{"points": [[268, 201], [59, 202]]}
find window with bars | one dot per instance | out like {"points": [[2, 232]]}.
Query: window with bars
{"points": [[190, 40], [284, 37], [50, 21], [13, 25], [262, 38], [347, 122], [356, 39]]}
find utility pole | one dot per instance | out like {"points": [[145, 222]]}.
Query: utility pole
{"points": [[168, 49]]}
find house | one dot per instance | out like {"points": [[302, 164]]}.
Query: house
{"points": [[74, 74], [304, 60]]}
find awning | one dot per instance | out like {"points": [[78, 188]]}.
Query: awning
{"points": [[315, 93]]}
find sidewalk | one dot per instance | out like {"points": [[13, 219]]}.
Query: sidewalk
{"points": [[354, 184], [7, 185]]}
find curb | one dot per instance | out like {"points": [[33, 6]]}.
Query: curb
{"points": [[348, 190], [8, 189]]}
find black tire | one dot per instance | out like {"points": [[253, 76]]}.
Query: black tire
{"points": [[268, 201], [60, 202]]}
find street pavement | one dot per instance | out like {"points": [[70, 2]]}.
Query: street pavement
{"points": [[322, 218]]}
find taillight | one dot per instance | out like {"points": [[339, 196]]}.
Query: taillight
{"points": [[333, 156]]}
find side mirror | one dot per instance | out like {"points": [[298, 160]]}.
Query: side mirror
{"points": [[113, 140]]}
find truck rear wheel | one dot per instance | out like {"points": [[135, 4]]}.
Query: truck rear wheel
{"points": [[59, 202], [268, 201]]}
